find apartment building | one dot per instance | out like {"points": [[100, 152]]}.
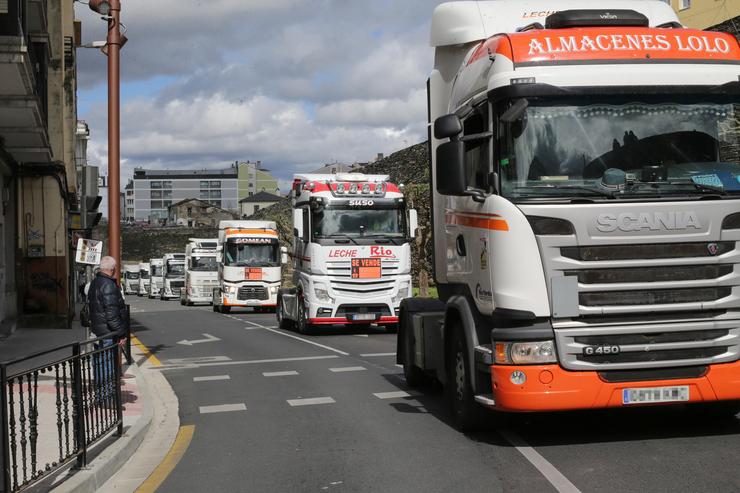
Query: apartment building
{"points": [[38, 179], [253, 179], [716, 15]]}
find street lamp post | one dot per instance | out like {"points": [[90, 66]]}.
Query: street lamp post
{"points": [[111, 9]]}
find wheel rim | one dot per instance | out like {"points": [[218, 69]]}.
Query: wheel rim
{"points": [[459, 376]]}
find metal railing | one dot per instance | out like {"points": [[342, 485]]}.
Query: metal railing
{"points": [[69, 396]]}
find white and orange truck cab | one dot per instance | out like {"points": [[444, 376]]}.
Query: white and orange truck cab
{"points": [[250, 261], [585, 158], [351, 252]]}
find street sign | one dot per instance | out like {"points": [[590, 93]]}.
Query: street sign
{"points": [[88, 251]]}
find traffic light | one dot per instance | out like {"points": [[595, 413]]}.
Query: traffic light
{"points": [[90, 215]]}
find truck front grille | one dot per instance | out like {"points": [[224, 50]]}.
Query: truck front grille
{"points": [[646, 251], [653, 297], [252, 293]]}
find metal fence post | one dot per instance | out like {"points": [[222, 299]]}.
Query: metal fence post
{"points": [[119, 389], [79, 421], [129, 358], [5, 474]]}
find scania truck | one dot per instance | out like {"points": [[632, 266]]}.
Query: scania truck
{"points": [[585, 158], [156, 281], [173, 276], [201, 271], [131, 279], [249, 266], [144, 279], [351, 252]]}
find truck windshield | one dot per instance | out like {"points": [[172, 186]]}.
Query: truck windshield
{"points": [[203, 264], [132, 275], [144, 274], [240, 252], [175, 270], [156, 270], [662, 146], [333, 222]]}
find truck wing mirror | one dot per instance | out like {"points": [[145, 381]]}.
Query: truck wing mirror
{"points": [[298, 223], [413, 223], [283, 255], [447, 126], [450, 172]]}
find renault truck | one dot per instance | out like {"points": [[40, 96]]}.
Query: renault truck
{"points": [[156, 281], [173, 276], [250, 263], [585, 158], [144, 279], [201, 271], [351, 252]]}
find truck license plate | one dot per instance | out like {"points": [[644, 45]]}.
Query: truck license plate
{"points": [[649, 395], [363, 316]]}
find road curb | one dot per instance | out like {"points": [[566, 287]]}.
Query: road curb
{"points": [[115, 455]]}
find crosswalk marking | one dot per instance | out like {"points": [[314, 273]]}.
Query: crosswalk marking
{"points": [[311, 401], [211, 378], [222, 408], [392, 395], [279, 373], [347, 368]]}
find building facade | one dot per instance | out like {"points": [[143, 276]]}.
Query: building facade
{"points": [[254, 179], [38, 177], [195, 213], [154, 191], [259, 201], [708, 14]]}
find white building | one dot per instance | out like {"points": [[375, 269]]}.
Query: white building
{"points": [[258, 201]]}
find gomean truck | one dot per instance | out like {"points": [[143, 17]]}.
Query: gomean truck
{"points": [[131, 278], [156, 281], [201, 271], [249, 265], [173, 276], [586, 210], [351, 253], [144, 279]]}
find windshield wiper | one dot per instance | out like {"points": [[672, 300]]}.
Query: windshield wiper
{"points": [[341, 236], [593, 191]]}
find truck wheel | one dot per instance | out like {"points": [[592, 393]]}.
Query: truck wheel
{"points": [[283, 322], [303, 326], [182, 302], [468, 415], [216, 308], [415, 376], [391, 328], [225, 309]]}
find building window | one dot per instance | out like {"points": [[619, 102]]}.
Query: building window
{"points": [[156, 194], [167, 203], [204, 194], [190, 211], [167, 184], [251, 185], [203, 184], [156, 204], [215, 194], [217, 203], [215, 184], [251, 193], [167, 194], [155, 184], [684, 4]]}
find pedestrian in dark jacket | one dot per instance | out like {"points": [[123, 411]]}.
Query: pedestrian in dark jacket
{"points": [[108, 318]]}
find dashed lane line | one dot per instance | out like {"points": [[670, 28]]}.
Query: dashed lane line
{"points": [[222, 408], [279, 373], [275, 331], [555, 477], [376, 355], [311, 401], [392, 395], [211, 378], [347, 368], [250, 362]]}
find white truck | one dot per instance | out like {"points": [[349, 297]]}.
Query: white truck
{"points": [[173, 276], [131, 278], [585, 163], [156, 281], [201, 271], [144, 279], [351, 252], [249, 266]]}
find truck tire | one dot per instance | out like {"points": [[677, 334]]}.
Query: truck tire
{"points": [[466, 413], [225, 309], [415, 376], [391, 328], [283, 322], [302, 325]]}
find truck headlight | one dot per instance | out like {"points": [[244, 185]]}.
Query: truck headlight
{"points": [[322, 293], [525, 353], [274, 289], [403, 292], [230, 289]]}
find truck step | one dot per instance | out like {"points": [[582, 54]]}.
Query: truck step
{"points": [[485, 400], [484, 354]]}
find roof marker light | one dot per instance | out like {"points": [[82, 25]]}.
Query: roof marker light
{"points": [[353, 188], [365, 189]]}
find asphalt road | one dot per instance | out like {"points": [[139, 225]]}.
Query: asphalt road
{"points": [[275, 411]]}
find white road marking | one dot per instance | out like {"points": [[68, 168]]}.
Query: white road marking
{"points": [[555, 477], [211, 378], [392, 395], [251, 362], [361, 335], [198, 359], [347, 368], [223, 408], [299, 338], [279, 373], [208, 338], [375, 355], [311, 401]]}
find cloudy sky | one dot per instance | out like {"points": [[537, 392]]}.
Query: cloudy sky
{"points": [[292, 83]]}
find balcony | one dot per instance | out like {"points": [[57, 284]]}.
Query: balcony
{"points": [[24, 57]]}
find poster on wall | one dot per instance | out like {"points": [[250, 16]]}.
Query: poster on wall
{"points": [[88, 251]]}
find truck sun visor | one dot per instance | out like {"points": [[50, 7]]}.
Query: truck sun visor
{"points": [[590, 18]]}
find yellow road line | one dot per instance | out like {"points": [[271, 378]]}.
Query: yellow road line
{"points": [[168, 464], [152, 359]]}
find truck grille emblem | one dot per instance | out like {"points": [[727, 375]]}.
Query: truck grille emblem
{"points": [[713, 248]]}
